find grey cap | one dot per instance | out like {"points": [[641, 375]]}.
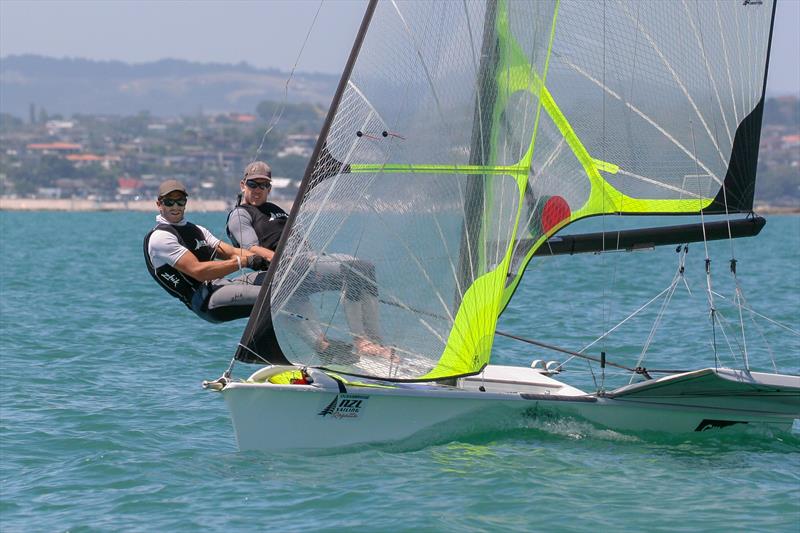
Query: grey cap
{"points": [[258, 170], [170, 186]]}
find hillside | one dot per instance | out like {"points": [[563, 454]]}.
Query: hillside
{"points": [[167, 87]]}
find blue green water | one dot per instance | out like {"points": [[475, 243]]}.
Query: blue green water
{"points": [[104, 425]]}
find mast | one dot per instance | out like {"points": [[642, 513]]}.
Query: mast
{"points": [[480, 147], [259, 337]]}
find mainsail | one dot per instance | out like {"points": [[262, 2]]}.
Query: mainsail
{"points": [[465, 134]]}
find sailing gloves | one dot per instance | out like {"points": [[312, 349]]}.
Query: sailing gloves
{"points": [[256, 262]]}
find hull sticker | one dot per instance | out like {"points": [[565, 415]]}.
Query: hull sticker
{"points": [[707, 424], [345, 406]]}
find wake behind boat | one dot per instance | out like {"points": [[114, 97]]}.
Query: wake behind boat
{"points": [[462, 140]]}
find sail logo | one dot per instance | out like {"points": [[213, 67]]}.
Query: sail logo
{"points": [[345, 406], [753, 2], [172, 278]]}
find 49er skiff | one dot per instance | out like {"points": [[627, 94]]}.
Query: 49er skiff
{"points": [[463, 137]]}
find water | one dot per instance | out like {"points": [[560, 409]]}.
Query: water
{"points": [[104, 426]]}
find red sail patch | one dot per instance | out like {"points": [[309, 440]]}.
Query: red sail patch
{"points": [[555, 210]]}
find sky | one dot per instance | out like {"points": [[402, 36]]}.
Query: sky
{"points": [[263, 33]]}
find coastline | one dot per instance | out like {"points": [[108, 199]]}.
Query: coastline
{"points": [[78, 204]]}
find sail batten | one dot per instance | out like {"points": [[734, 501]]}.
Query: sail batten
{"points": [[466, 134]]}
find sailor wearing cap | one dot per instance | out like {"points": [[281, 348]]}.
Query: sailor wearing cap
{"points": [[256, 224], [182, 258]]}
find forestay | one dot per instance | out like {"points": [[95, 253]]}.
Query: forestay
{"points": [[464, 134]]}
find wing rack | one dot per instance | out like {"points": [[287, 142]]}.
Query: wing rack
{"points": [[643, 238]]}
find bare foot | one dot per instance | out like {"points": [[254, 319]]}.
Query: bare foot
{"points": [[369, 348], [322, 344]]}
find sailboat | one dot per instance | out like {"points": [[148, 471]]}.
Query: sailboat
{"points": [[464, 137]]}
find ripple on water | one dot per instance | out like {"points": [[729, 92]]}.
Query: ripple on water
{"points": [[104, 426]]}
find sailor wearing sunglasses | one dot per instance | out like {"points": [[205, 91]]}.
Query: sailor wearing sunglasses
{"points": [[181, 257], [256, 224]]}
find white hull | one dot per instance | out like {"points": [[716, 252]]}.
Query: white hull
{"points": [[267, 416]]}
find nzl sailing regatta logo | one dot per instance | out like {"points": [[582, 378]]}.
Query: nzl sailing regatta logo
{"points": [[345, 406]]}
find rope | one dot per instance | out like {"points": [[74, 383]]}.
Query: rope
{"points": [[637, 370], [766, 343], [610, 331], [230, 368], [271, 123], [278, 113], [671, 289], [760, 331], [709, 290], [738, 299], [659, 317], [562, 350], [722, 323], [768, 319], [739, 293]]}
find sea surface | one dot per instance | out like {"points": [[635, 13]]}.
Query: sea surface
{"points": [[104, 425]]}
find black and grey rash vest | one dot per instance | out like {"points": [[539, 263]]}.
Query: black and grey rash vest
{"points": [[175, 282], [268, 223]]}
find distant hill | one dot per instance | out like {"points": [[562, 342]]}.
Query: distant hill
{"points": [[167, 87]]}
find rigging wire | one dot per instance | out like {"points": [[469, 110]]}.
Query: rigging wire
{"points": [[722, 323], [679, 276], [670, 291], [738, 300], [766, 343], [709, 291], [630, 316], [768, 319], [733, 261], [636, 370], [606, 310], [278, 112]]}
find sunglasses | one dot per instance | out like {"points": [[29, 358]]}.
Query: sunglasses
{"points": [[169, 202], [253, 184]]}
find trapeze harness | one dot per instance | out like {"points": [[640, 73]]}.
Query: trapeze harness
{"points": [[269, 220], [193, 293]]}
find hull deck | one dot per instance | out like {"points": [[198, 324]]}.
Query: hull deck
{"points": [[331, 413]]}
